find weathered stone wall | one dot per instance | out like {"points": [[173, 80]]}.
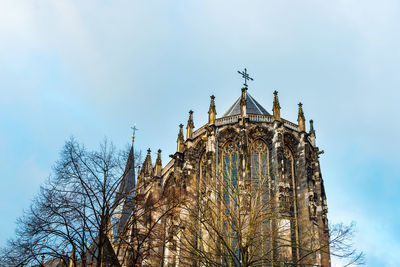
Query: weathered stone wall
{"points": [[300, 182]]}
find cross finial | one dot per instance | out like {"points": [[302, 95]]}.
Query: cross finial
{"points": [[134, 129], [245, 76]]}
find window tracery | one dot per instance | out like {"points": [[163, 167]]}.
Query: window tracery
{"points": [[230, 168], [230, 165], [259, 163]]}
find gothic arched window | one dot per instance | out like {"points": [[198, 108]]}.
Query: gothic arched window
{"points": [[230, 168], [287, 197], [230, 171], [288, 186], [259, 163]]}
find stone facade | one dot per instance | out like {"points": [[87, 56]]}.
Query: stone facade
{"points": [[288, 159]]}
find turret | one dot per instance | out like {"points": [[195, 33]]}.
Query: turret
{"points": [[300, 119], [212, 113], [190, 126], [180, 141], [158, 163], [276, 109]]}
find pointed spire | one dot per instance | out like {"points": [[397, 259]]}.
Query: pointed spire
{"points": [[300, 119], [190, 126], [276, 107], [147, 169], [243, 103], [312, 133], [158, 163], [130, 164], [180, 141], [212, 113], [128, 182]]}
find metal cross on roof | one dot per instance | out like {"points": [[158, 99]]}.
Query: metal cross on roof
{"points": [[134, 129], [246, 76]]}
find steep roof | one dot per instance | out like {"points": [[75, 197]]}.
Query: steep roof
{"points": [[253, 107], [126, 192], [128, 181]]}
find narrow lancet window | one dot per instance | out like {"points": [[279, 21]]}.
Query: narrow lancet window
{"points": [[230, 167], [230, 202], [260, 166]]}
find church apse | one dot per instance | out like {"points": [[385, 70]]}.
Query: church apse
{"points": [[250, 191]]}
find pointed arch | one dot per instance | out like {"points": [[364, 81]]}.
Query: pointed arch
{"points": [[230, 171], [230, 166], [259, 162], [288, 206]]}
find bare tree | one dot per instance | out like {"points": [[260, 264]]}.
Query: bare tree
{"points": [[71, 218], [144, 234], [341, 244], [238, 219]]}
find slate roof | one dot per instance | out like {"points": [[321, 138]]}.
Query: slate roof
{"points": [[253, 107]]}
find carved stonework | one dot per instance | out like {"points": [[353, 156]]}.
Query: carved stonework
{"points": [[284, 155], [290, 141], [287, 153]]}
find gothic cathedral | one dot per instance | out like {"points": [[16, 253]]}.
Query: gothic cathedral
{"points": [[245, 189]]}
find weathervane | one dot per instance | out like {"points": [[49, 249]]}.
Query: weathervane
{"points": [[245, 76], [134, 129]]}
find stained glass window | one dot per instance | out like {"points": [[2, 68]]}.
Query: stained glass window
{"points": [[259, 163], [230, 166]]}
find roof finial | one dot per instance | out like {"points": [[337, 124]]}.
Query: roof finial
{"points": [[158, 163], [180, 141], [212, 113], [190, 126], [312, 133], [245, 76], [300, 119], [243, 103], [276, 109], [147, 169], [134, 129]]}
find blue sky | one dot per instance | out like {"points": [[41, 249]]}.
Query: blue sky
{"points": [[93, 68]]}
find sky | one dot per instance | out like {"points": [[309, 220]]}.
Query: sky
{"points": [[91, 69]]}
